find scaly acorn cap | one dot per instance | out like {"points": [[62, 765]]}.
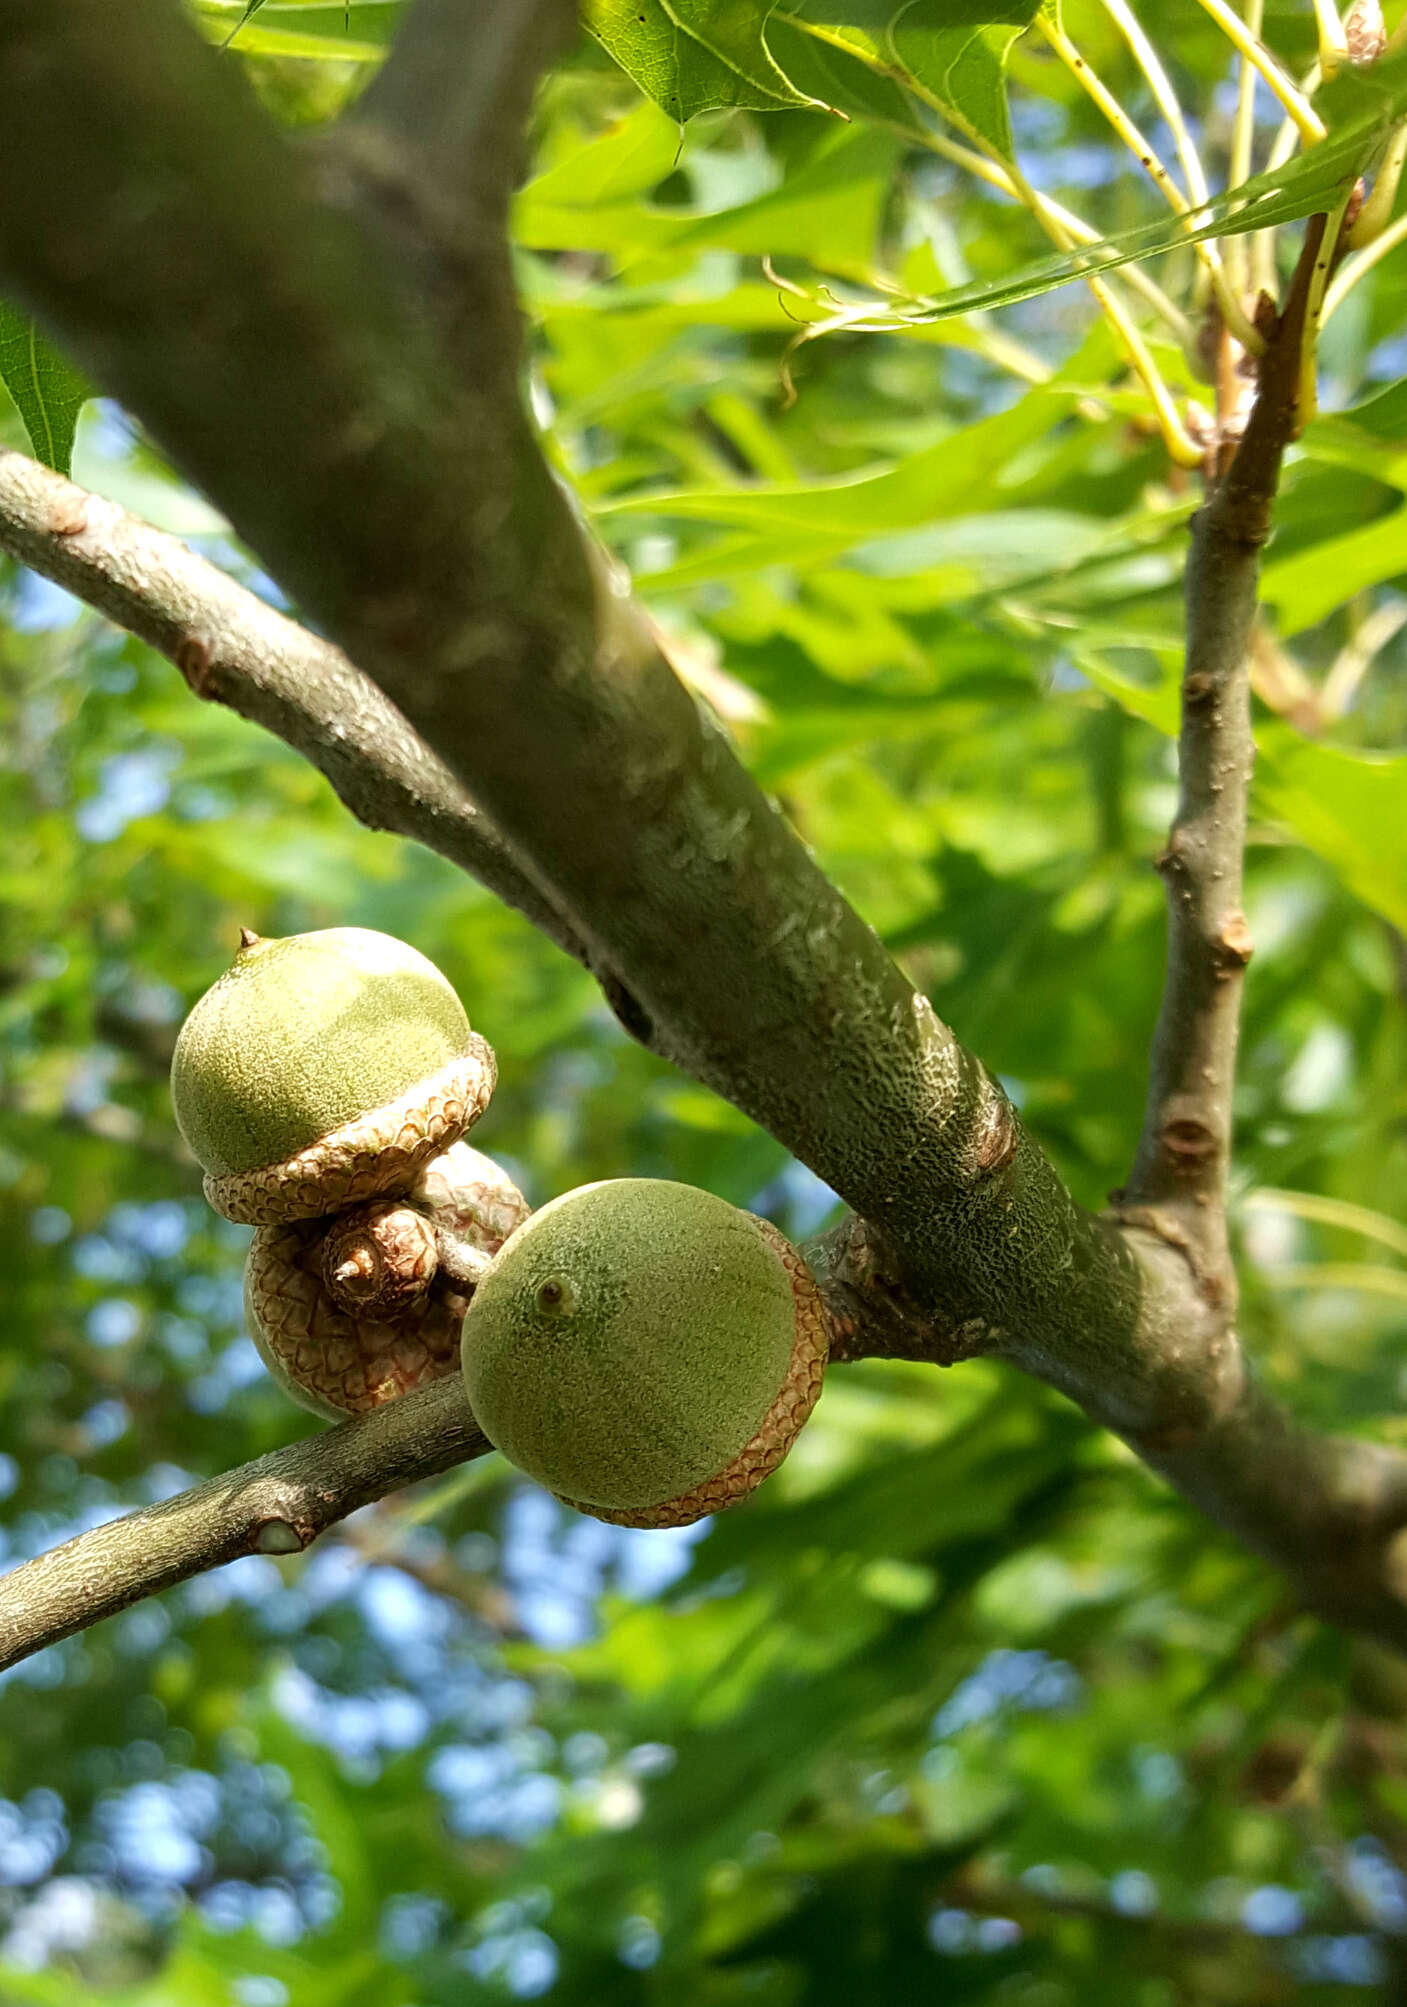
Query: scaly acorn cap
{"points": [[645, 1350], [327, 1359], [365, 1305], [324, 1069]]}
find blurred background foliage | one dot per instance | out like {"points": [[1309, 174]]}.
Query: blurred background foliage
{"points": [[964, 1706]]}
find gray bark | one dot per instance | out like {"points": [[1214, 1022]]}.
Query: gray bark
{"points": [[328, 347]]}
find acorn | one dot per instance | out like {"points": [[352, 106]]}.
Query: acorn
{"points": [[325, 1083], [335, 1361], [342, 1343], [645, 1350], [322, 1070]]}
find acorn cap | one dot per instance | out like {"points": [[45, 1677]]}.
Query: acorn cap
{"points": [[471, 1196], [332, 1361], [321, 1070], [645, 1350]]}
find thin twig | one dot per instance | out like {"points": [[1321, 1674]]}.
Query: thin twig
{"points": [[1179, 1171], [276, 1505], [234, 649]]}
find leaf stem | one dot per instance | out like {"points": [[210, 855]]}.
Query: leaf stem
{"points": [[1371, 220], [1265, 277], [1165, 97], [1183, 450], [1308, 399], [987, 166], [1323, 1211], [1359, 265], [1355, 659], [1233, 313], [1047, 212], [1333, 47], [1307, 121], [1238, 168]]}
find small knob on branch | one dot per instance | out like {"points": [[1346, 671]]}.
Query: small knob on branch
{"points": [[378, 1260]]}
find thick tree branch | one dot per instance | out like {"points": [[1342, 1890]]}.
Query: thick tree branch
{"points": [[234, 649], [357, 416], [414, 517], [276, 1505], [452, 100], [1178, 1180], [1331, 1513]]}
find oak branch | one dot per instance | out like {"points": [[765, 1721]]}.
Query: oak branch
{"points": [[343, 312]]}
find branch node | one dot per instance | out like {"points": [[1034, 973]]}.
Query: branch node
{"points": [[67, 514], [196, 663], [1187, 1143], [1234, 945], [996, 1135], [278, 1536]]}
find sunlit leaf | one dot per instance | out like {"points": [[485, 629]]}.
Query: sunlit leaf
{"points": [[48, 392], [694, 55]]}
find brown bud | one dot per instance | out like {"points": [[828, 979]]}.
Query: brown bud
{"points": [[1364, 33], [378, 1260]]}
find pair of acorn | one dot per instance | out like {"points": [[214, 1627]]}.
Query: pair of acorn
{"points": [[642, 1348]]}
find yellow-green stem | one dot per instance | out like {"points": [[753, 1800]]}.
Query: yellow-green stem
{"points": [[1333, 49], [1264, 276], [1165, 97], [1308, 398], [1182, 449], [1360, 264], [1372, 218], [1308, 122], [1048, 212], [1238, 168], [1228, 299]]}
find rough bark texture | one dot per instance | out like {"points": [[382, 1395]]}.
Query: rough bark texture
{"points": [[344, 315], [1178, 1180]]}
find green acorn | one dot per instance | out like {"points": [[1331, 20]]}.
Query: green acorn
{"points": [[322, 1070], [325, 1082], [645, 1350]]}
